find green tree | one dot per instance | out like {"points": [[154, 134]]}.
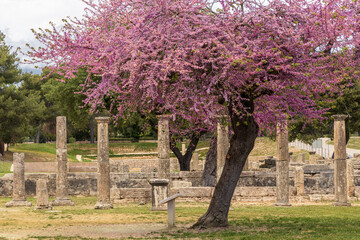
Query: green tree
{"points": [[17, 109], [66, 99]]}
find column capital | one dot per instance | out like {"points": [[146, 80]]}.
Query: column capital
{"points": [[102, 119], [339, 117]]}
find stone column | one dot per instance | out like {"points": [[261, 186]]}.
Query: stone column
{"points": [[183, 148], [341, 191], [195, 161], [42, 195], [103, 181], [299, 181], [350, 177], [312, 157], [282, 165], [222, 146], [163, 147], [62, 198], [159, 191], [19, 198]]}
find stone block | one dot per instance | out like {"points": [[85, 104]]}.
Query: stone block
{"points": [[193, 191], [179, 184], [255, 191]]}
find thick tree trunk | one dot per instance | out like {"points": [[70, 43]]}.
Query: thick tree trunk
{"points": [[184, 160], [2, 147], [209, 174], [92, 125], [241, 143], [37, 138]]}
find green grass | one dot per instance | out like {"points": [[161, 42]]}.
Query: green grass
{"points": [[354, 143], [246, 221], [4, 168]]}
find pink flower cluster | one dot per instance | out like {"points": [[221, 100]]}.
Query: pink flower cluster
{"points": [[191, 60]]}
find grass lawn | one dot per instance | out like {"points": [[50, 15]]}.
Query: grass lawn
{"points": [[354, 143], [246, 222]]}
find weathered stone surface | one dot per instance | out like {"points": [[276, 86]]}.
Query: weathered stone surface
{"points": [[341, 190], [350, 177], [255, 191], [178, 184], [42, 195], [131, 193], [282, 165], [163, 147], [222, 145], [317, 168], [159, 191], [299, 181], [195, 161], [302, 157], [103, 182], [62, 198], [18, 192], [193, 191]]}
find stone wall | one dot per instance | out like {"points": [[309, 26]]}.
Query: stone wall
{"points": [[119, 165], [317, 180]]}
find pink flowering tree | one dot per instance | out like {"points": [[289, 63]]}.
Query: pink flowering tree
{"points": [[255, 62]]}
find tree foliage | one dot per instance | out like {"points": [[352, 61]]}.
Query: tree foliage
{"points": [[258, 61]]}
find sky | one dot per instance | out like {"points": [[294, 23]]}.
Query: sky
{"points": [[19, 16]]}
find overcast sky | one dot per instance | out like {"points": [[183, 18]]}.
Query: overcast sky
{"points": [[19, 16]]}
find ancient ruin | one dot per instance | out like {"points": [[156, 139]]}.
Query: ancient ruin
{"points": [[341, 190], [62, 198], [42, 195], [282, 165], [103, 178], [18, 186]]}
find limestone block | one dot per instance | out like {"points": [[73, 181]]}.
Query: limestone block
{"points": [[193, 191], [179, 184]]}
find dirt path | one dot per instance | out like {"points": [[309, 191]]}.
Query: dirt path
{"points": [[114, 231]]}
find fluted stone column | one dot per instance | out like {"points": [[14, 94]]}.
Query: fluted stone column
{"points": [[19, 198], [222, 146], [163, 147], [341, 191], [42, 195], [62, 197], [282, 165], [103, 180]]}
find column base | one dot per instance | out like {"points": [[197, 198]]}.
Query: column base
{"points": [[341, 204], [48, 207], [282, 204], [62, 202], [18, 203], [103, 205]]}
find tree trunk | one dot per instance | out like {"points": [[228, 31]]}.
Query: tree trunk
{"points": [[209, 174], [184, 160], [241, 143], [37, 138], [2, 147], [92, 124]]}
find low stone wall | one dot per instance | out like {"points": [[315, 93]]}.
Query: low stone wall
{"points": [[317, 180], [117, 166]]}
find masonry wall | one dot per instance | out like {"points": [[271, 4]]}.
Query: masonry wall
{"points": [[316, 181]]}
